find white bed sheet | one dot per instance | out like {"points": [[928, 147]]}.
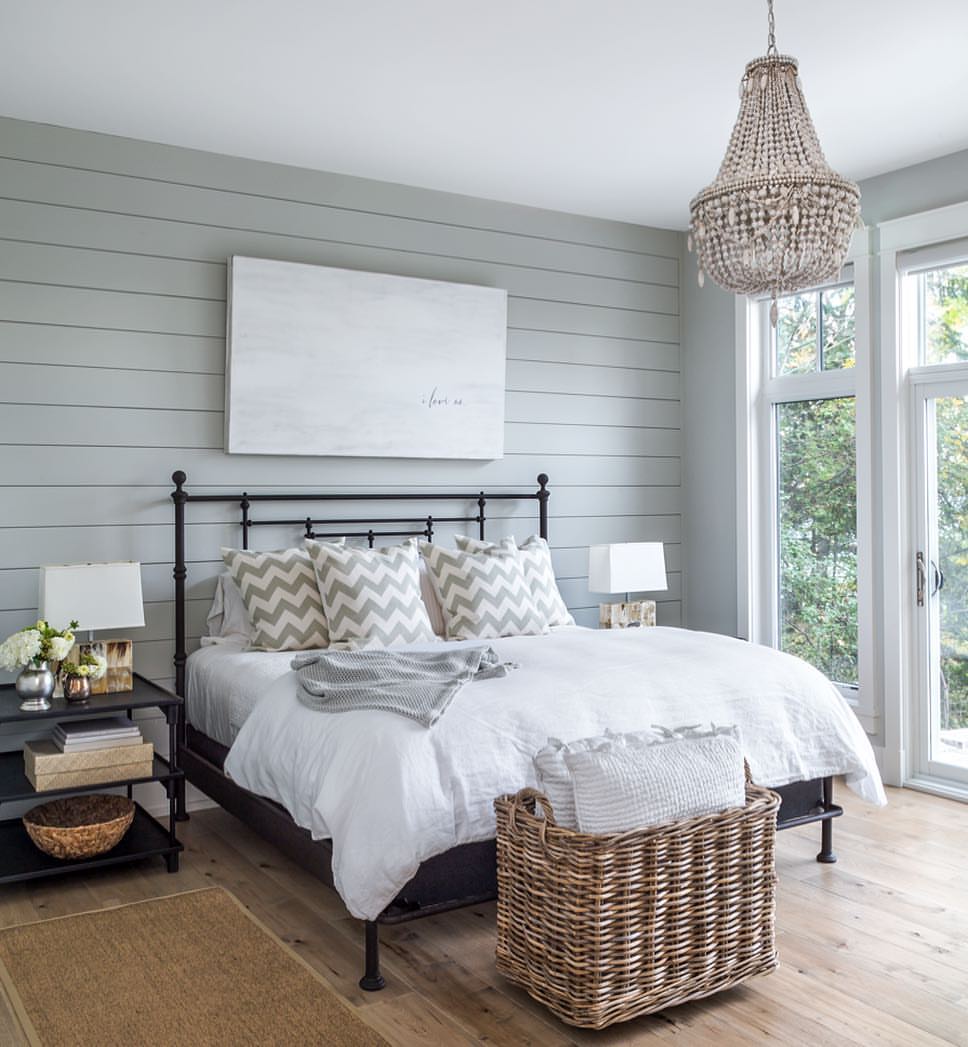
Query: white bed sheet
{"points": [[391, 793], [224, 681]]}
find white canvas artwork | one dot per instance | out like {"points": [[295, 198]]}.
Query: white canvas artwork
{"points": [[323, 361]]}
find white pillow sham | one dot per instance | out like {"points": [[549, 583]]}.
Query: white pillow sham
{"points": [[371, 596], [484, 594]]}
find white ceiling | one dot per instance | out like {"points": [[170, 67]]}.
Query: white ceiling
{"points": [[615, 108]]}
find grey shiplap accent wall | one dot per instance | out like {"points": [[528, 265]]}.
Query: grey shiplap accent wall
{"points": [[112, 300]]}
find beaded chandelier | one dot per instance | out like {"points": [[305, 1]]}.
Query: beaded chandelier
{"points": [[777, 218]]}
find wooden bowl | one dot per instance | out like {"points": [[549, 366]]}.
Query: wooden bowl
{"points": [[79, 826]]}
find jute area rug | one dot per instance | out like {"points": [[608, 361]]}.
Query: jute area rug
{"points": [[193, 969]]}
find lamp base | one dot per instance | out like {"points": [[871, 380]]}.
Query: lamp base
{"points": [[119, 655], [630, 615]]}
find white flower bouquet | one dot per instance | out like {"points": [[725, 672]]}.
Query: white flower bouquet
{"points": [[35, 645]]}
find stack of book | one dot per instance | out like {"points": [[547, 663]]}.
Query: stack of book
{"points": [[88, 752]]}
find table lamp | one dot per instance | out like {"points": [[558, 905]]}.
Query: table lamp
{"points": [[627, 567], [97, 596]]}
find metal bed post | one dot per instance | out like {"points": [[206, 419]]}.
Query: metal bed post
{"points": [[827, 855], [372, 980], [543, 495], [180, 573]]}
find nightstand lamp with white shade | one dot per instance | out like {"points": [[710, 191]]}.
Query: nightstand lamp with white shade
{"points": [[627, 567], [97, 596]]}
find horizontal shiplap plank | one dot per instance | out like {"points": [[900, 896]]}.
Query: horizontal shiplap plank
{"points": [[570, 348], [151, 506], [80, 307], [136, 272], [143, 427], [586, 379], [102, 387], [26, 547], [592, 410], [47, 343], [629, 455], [108, 427], [84, 149], [30, 383], [537, 314], [107, 192]]}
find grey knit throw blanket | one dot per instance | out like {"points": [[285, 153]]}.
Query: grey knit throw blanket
{"points": [[417, 684]]}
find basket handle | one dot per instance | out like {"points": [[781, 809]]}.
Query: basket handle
{"points": [[528, 800]]}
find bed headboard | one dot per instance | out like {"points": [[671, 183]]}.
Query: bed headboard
{"points": [[379, 524]]}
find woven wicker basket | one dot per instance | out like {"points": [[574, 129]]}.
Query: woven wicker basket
{"points": [[601, 929], [79, 826]]}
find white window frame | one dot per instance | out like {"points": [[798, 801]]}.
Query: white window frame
{"points": [[757, 391], [900, 370]]}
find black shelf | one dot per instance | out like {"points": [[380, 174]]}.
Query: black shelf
{"points": [[19, 858], [144, 695], [15, 785], [22, 860]]}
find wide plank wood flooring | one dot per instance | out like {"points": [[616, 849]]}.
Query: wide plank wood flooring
{"points": [[873, 950]]}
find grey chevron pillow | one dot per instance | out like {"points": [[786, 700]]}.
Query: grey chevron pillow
{"points": [[536, 558], [371, 597], [280, 593], [483, 594]]}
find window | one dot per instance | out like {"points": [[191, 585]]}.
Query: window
{"points": [[805, 504]]}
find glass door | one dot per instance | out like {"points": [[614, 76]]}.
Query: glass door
{"points": [[941, 577]]}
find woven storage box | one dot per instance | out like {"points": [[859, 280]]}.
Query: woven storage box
{"points": [[601, 929]]}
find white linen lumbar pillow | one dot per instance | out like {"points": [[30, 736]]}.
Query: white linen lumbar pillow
{"points": [[371, 596], [483, 595], [622, 787], [535, 555], [227, 618], [556, 780], [281, 598]]}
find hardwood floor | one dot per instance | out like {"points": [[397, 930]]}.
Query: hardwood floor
{"points": [[873, 950]]}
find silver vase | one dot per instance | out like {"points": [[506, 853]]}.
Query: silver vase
{"points": [[35, 685]]}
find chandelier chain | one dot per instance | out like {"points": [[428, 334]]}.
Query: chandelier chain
{"points": [[771, 39]]}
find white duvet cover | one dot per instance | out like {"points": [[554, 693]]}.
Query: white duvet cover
{"points": [[391, 793]]}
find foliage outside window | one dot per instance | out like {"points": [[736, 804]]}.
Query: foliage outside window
{"points": [[951, 430], [817, 524], [815, 331], [943, 298]]}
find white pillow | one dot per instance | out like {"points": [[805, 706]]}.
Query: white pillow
{"points": [[227, 618], [535, 556], [622, 787], [431, 602], [556, 780]]}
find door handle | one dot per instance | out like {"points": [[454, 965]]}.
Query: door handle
{"points": [[919, 561], [938, 581]]}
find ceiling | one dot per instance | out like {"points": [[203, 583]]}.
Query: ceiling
{"points": [[614, 108]]}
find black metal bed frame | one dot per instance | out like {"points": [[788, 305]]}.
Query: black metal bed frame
{"points": [[466, 874]]}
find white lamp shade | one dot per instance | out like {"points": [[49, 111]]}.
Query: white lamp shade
{"points": [[95, 595], [627, 567]]}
